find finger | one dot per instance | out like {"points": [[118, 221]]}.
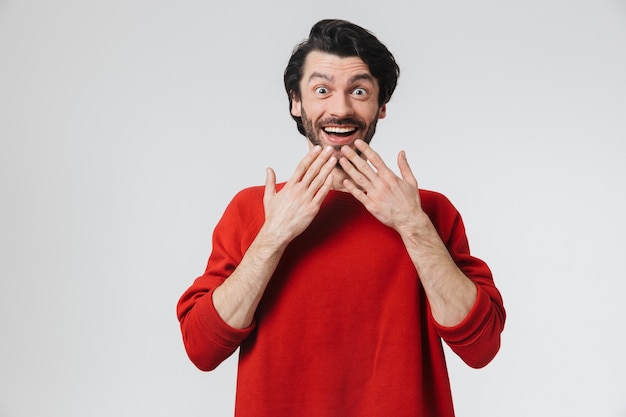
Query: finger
{"points": [[305, 163], [371, 155], [357, 163], [321, 162], [270, 183], [321, 176], [321, 194], [355, 174], [356, 191], [405, 169]]}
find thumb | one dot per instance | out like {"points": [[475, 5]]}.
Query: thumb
{"points": [[270, 183], [405, 169]]}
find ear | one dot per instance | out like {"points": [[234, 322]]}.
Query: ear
{"points": [[382, 112], [296, 105]]}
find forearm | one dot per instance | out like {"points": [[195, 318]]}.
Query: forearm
{"points": [[451, 294], [237, 298]]}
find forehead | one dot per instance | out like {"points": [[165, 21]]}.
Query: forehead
{"points": [[334, 67]]}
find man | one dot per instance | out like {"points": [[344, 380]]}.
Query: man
{"points": [[339, 284]]}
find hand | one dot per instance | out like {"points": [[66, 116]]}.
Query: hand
{"points": [[291, 210], [392, 200]]}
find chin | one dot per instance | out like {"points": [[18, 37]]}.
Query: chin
{"points": [[338, 154]]}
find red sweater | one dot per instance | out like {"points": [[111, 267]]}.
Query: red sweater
{"points": [[344, 327]]}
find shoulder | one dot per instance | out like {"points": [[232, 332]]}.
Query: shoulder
{"points": [[249, 201], [249, 194], [436, 202], [442, 213], [244, 212], [253, 193], [246, 202]]}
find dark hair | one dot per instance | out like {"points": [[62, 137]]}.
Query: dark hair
{"points": [[344, 39]]}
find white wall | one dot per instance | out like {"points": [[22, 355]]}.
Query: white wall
{"points": [[127, 126]]}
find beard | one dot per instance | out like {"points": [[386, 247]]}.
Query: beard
{"points": [[313, 137]]}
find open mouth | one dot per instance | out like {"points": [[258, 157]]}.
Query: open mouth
{"points": [[340, 135], [340, 131]]}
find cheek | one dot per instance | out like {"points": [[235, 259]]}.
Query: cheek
{"points": [[313, 110], [369, 113]]}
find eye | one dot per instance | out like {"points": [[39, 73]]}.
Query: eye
{"points": [[321, 90], [359, 91]]}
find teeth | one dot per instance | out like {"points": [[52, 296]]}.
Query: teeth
{"points": [[339, 129]]}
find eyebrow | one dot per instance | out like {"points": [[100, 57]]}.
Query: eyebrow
{"points": [[357, 77]]}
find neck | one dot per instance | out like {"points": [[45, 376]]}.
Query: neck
{"points": [[338, 176]]}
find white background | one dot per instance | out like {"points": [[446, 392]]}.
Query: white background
{"points": [[127, 126]]}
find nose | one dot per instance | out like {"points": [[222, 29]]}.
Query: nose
{"points": [[340, 106]]}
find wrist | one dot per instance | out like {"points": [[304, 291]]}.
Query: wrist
{"points": [[270, 242], [418, 231]]}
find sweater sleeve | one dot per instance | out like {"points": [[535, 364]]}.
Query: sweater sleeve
{"points": [[207, 338], [476, 340]]}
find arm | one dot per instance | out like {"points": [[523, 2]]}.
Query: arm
{"points": [[216, 312], [451, 294], [454, 295], [287, 214], [396, 202]]}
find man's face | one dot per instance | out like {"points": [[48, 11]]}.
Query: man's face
{"points": [[339, 101]]}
